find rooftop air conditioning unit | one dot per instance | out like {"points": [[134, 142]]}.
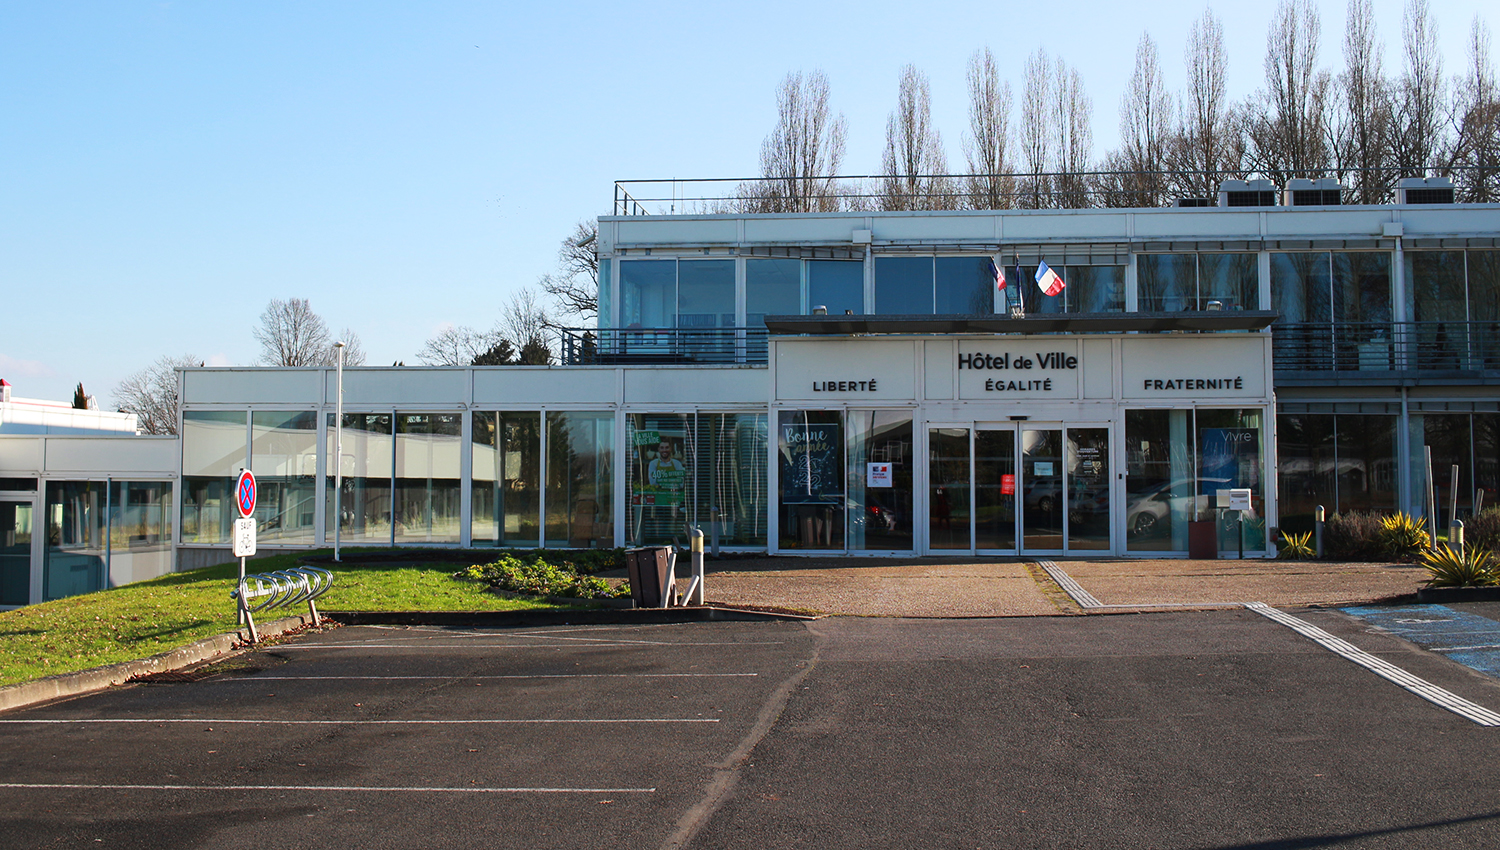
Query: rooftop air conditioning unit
{"points": [[1424, 190], [1195, 202], [1301, 192], [1247, 193]]}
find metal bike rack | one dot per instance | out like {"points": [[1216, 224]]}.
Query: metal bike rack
{"points": [[281, 589]]}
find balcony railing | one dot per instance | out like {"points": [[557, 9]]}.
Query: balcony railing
{"points": [[1356, 348], [662, 346], [1366, 347]]}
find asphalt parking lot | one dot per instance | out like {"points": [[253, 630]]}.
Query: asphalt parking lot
{"points": [[1207, 729]]}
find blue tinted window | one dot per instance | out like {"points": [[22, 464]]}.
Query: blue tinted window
{"points": [[838, 285], [903, 286], [965, 285]]}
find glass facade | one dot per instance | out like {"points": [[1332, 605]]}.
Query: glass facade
{"points": [[507, 484], [428, 477], [16, 529], [214, 450], [880, 475], [692, 469], [1344, 462], [284, 458], [580, 480], [810, 450], [140, 529], [365, 467], [948, 494], [1177, 462], [1170, 282], [76, 557]]}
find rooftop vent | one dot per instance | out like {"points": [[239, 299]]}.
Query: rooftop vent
{"points": [[1424, 190], [1301, 192], [1195, 202], [1247, 193]]}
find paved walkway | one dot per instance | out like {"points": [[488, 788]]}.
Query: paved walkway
{"points": [[967, 587]]}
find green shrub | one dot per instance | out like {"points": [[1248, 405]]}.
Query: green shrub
{"points": [[1403, 535], [1483, 529], [1472, 567], [1356, 535], [533, 576], [1297, 547]]}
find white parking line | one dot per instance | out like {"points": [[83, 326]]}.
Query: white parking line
{"points": [[351, 722], [466, 678], [72, 786], [1384, 669]]}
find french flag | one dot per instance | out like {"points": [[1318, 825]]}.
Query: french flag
{"points": [[998, 274], [1048, 280]]}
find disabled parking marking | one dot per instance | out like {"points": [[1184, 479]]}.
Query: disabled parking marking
{"points": [[75, 786], [1421, 687], [1469, 639]]}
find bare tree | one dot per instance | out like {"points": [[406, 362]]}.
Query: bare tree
{"points": [[914, 163], [1364, 118], [1208, 148], [1476, 121], [800, 157], [990, 186], [1037, 136], [1146, 125], [575, 287], [151, 394], [1073, 113], [1287, 121], [291, 334], [523, 319], [1421, 94]]}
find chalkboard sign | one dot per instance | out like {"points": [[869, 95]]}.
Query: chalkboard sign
{"points": [[811, 464]]}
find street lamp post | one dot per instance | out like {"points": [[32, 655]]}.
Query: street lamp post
{"points": [[338, 454]]}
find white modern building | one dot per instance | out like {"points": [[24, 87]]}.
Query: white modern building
{"points": [[857, 383]]}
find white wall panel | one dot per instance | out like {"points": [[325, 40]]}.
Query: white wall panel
{"points": [[840, 371], [938, 355], [402, 387], [1098, 368], [533, 386], [1064, 225], [295, 387], [823, 231], [112, 456], [664, 231], [21, 456], [1200, 224], [1189, 360], [947, 228], [702, 387]]}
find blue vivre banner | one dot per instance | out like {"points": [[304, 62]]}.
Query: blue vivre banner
{"points": [[811, 471]]}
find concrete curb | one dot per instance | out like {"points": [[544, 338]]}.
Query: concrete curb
{"points": [[98, 678]]}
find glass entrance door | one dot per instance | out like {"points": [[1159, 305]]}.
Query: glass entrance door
{"points": [[1016, 490], [15, 552]]}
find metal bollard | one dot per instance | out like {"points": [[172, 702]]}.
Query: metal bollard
{"points": [[1318, 527], [1456, 536]]}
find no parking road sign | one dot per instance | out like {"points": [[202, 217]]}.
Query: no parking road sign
{"points": [[244, 493]]}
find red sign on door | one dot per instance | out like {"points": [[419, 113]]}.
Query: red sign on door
{"points": [[1007, 485]]}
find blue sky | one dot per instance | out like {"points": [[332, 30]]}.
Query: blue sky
{"points": [[168, 168]]}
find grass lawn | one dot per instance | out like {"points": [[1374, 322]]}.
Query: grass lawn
{"points": [[140, 620]]}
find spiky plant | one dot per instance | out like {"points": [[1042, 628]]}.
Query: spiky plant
{"points": [[1470, 567], [1404, 535], [1296, 547]]}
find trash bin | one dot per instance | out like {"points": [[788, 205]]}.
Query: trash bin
{"points": [[648, 568], [1203, 540]]}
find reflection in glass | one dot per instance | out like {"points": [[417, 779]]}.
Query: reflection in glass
{"points": [[580, 480], [948, 493], [366, 466], [1160, 480], [994, 490], [663, 465], [1166, 282], [1231, 279], [964, 285], [903, 286], [879, 449], [427, 477], [1042, 489], [74, 560], [284, 458], [1307, 468], [729, 479], [1095, 289], [1088, 488], [1366, 446], [213, 453], [648, 293], [772, 288], [1231, 448], [15, 553], [811, 476], [838, 285], [140, 530], [505, 503]]}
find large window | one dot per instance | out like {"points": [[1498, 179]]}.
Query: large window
{"points": [[213, 453], [845, 479], [580, 480], [427, 477], [695, 470], [810, 444], [879, 451], [1344, 462], [507, 486], [838, 285], [927, 285], [648, 293], [77, 525], [1177, 462], [284, 457], [1173, 282], [140, 530], [1456, 297], [365, 504]]}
